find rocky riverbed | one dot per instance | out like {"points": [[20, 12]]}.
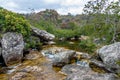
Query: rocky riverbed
{"points": [[57, 63]]}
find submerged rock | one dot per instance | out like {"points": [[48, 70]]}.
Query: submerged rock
{"points": [[43, 34], [75, 72], [12, 48], [110, 55]]}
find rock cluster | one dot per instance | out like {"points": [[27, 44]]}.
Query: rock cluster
{"points": [[12, 45]]}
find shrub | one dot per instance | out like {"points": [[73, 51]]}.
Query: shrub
{"points": [[13, 22], [87, 45]]}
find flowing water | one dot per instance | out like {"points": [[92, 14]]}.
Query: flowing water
{"points": [[41, 64]]}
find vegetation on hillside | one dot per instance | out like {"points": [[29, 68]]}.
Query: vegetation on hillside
{"points": [[100, 20]]}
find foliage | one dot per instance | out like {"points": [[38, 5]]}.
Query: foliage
{"points": [[58, 32], [103, 20], [87, 45], [13, 22], [33, 43]]}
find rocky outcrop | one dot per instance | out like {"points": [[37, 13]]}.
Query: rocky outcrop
{"points": [[12, 47], [110, 55], [75, 72], [42, 34]]}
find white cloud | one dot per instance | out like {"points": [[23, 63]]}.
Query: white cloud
{"points": [[11, 5], [73, 2], [72, 10], [62, 6], [51, 1]]}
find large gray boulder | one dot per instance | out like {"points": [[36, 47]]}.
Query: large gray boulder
{"points": [[12, 47], [43, 34], [110, 55], [75, 72], [62, 58], [59, 56]]}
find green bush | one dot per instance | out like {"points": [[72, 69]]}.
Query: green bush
{"points": [[87, 46], [13, 22]]}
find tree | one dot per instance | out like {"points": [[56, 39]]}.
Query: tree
{"points": [[113, 18], [101, 14]]}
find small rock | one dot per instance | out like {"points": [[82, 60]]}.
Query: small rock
{"points": [[50, 43], [81, 55], [62, 39], [52, 50], [71, 43], [72, 39], [83, 63], [31, 69], [84, 37]]}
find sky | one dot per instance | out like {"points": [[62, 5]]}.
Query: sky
{"points": [[62, 6]]}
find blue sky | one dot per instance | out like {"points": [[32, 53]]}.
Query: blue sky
{"points": [[62, 6]]}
